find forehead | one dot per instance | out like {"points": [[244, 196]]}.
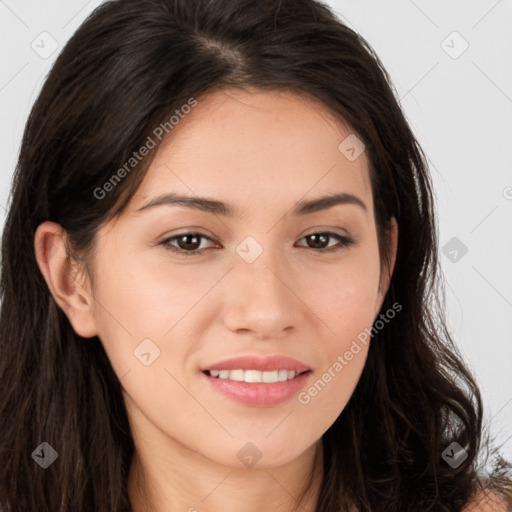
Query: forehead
{"points": [[256, 147]]}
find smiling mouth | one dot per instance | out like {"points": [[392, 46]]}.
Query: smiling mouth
{"points": [[254, 376]]}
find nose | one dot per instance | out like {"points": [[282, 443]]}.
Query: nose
{"points": [[260, 299]]}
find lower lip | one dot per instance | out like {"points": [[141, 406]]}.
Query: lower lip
{"points": [[259, 394]]}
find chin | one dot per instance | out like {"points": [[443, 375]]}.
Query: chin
{"points": [[260, 453]]}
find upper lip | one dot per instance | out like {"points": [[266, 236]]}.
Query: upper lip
{"points": [[262, 363]]}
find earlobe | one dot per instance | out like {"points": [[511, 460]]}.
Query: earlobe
{"points": [[61, 276]]}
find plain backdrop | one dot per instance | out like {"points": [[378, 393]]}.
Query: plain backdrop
{"points": [[451, 65]]}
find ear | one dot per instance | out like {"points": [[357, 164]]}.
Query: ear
{"points": [[61, 276], [387, 272]]}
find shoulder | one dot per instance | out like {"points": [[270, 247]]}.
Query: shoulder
{"points": [[487, 502]]}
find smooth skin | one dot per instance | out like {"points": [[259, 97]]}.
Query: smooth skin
{"points": [[261, 153]]}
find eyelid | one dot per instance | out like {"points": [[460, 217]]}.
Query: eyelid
{"points": [[325, 229], [191, 232]]}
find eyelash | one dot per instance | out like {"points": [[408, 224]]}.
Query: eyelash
{"points": [[344, 243]]}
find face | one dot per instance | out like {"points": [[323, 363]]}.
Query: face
{"points": [[274, 289]]}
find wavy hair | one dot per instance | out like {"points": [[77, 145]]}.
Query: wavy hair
{"points": [[128, 67]]}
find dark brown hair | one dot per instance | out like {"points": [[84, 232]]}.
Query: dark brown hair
{"points": [[129, 66]]}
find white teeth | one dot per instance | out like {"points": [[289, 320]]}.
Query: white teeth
{"points": [[254, 375], [237, 375], [282, 375], [270, 376]]}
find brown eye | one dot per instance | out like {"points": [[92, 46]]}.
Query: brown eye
{"points": [[187, 243], [320, 241]]}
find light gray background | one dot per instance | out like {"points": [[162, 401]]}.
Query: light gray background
{"points": [[459, 105]]}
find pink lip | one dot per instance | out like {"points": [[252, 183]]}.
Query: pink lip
{"points": [[262, 363], [259, 394]]}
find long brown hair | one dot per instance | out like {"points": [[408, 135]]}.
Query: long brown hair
{"points": [[125, 71]]}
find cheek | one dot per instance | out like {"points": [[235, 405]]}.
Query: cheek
{"points": [[325, 397], [143, 309], [144, 298], [348, 311], [344, 296], [346, 304]]}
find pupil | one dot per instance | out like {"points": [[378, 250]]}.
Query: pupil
{"points": [[187, 245], [316, 238]]}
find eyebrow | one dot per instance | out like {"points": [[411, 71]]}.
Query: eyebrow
{"points": [[214, 206]]}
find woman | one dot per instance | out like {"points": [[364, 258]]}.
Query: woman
{"points": [[219, 278]]}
